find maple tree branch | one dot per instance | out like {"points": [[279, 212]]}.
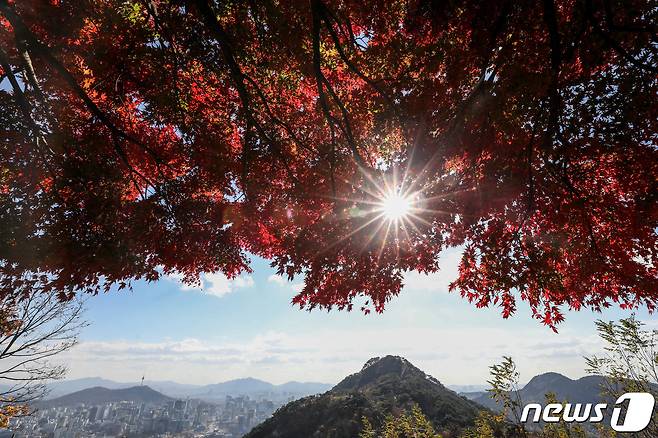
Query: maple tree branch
{"points": [[613, 43], [570, 49], [479, 90], [327, 16], [89, 103], [32, 42], [550, 18], [239, 79], [19, 97], [324, 13], [321, 79], [29, 68], [484, 79], [564, 177], [161, 29], [318, 74], [26, 110], [277, 120], [612, 26]]}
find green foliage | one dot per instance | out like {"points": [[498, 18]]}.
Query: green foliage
{"points": [[368, 431], [561, 429], [630, 362], [487, 425], [406, 425], [133, 12], [505, 387]]}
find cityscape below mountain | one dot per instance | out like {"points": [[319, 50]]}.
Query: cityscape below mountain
{"points": [[212, 392], [96, 407]]}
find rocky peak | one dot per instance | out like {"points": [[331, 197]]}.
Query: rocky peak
{"points": [[377, 368]]}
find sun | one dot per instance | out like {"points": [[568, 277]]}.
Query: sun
{"points": [[395, 206]]}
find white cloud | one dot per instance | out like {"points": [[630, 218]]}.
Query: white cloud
{"points": [[452, 355], [216, 284], [437, 281], [244, 281], [281, 281], [276, 279], [178, 278]]}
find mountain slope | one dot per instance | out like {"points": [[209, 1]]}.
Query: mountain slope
{"points": [[385, 385], [100, 395]]}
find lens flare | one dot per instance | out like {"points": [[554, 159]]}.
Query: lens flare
{"points": [[395, 206]]}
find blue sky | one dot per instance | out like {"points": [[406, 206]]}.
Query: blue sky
{"points": [[248, 327]]}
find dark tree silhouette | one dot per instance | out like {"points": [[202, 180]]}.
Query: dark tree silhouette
{"points": [[32, 333]]}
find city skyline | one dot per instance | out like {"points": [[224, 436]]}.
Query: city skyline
{"points": [[192, 418]]}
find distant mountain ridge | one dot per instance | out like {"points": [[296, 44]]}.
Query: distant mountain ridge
{"points": [[247, 386], [461, 389], [384, 385], [99, 395], [584, 390], [251, 385]]}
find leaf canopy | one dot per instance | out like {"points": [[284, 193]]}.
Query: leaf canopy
{"points": [[141, 137]]}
